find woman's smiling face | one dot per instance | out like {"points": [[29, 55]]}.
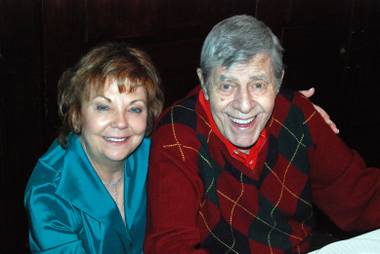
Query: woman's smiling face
{"points": [[113, 124]]}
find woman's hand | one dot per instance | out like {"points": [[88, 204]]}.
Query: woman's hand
{"points": [[308, 93]]}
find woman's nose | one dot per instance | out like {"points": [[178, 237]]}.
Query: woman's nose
{"points": [[120, 120]]}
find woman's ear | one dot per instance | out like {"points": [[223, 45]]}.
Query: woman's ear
{"points": [[76, 122], [202, 81]]}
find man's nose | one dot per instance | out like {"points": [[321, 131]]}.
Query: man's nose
{"points": [[244, 101]]}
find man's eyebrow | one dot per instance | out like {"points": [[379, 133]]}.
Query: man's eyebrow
{"points": [[259, 77], [254, 77], [224, 78]]}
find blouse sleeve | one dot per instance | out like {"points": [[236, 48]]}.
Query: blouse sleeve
{"points": [[54, 226]]}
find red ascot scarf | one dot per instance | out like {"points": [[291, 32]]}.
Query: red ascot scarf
{"points": [[249, 159]]}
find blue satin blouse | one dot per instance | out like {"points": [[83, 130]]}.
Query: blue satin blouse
{"points": [[70, 210]]}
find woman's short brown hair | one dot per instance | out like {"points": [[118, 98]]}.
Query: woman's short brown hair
{"points": [[115, 61]]}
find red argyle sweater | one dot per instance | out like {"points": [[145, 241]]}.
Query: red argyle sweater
{"points": [[201, 200]]}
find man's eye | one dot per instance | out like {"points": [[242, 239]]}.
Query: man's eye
{"points": [[226, 87], [136, 110], [259, 85], [102, 107]]}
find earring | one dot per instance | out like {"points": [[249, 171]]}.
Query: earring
{"points": [[76, 129]]}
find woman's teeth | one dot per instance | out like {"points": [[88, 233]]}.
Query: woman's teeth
{"points": [[115, 139]]}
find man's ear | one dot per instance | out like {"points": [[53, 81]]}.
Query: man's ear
{"points": [[282, 77], [202, 81]]}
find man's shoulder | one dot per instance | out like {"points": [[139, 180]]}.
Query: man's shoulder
{"points": [[289, 122], [288, 100], [184, 111], [292, 108], [185, 122]]}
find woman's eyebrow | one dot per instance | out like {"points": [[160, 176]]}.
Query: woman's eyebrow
{"points": [[102, 97], [138, 100]]}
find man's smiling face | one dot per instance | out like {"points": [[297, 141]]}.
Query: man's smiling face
{"points": [[242, 99]]}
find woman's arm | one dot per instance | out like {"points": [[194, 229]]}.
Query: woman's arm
{"points": [[310, 92], [53, 223]]}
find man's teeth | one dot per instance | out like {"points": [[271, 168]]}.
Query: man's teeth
{"points": [[242, 121], [115, 139]]}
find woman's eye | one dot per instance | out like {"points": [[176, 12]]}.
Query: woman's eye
{"points": [[102, 107], [136, 110]]}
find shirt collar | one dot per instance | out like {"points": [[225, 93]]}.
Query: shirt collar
{"points": [[249, 159]]}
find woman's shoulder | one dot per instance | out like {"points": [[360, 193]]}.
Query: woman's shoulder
{"points": [[52, 158], [48, 168]]}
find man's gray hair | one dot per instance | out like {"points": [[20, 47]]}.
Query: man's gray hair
{"points": [[237, 40]]}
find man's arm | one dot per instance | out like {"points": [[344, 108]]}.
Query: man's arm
{"points": [[174, 196], [342, 185]]}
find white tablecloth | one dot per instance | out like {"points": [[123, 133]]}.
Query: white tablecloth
{"points": [[368, 243]]}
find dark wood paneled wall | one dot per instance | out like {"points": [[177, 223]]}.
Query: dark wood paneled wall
{"points": [[21, 113], [333, 45]]}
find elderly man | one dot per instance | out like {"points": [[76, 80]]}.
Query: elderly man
{"points": [[237, 165]]}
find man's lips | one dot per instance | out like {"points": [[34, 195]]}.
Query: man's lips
{"points": [[242, 122]]}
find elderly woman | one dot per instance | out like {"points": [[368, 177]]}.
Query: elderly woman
{"points": [[87, 193]]}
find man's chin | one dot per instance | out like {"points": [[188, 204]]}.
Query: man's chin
{"points": [[242, 142], [244, 146]]}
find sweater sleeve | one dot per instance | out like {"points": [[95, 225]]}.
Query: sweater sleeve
{"points": [[343, 186], [174, 193]]}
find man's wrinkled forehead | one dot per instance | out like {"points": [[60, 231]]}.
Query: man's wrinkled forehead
{"points": [[253, 77], [258, 67]]}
